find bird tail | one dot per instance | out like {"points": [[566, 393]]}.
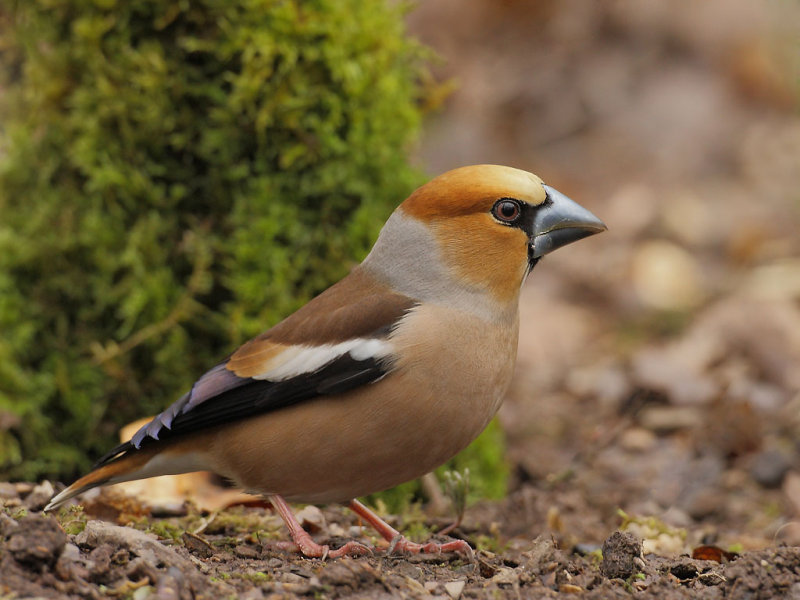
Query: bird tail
{"points": [[126, 463], [126, 467]]}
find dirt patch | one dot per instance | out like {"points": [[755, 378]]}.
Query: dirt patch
{"points": [[655, 407], [38, 559]]}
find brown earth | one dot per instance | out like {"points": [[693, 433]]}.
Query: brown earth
{"points": [[658, 383], [233, 554]]}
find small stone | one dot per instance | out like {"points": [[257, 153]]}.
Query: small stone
{"points": [[791, 488], [37, 542], [788, 534], [311, 518], [664, 544], [347, 572], [704, 503], [353, 532], [40, 496], [197, 545], [505, 576], [670, 418], [619, 552], [245, 551], [290, 578], [637, 439], [336, 530], [666, 276], [23, 488], [769, 468], [7, 525], [143, 593], [8, 491], [71, 552], [414, 586], [169, 585], [454, 588], [542, 553]]}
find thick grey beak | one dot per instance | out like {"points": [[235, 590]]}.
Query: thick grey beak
{"points": [[561, 221]]}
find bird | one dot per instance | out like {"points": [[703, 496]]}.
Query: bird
{"points": [[381, 378]]}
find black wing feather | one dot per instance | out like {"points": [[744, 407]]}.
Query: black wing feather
{"points": [[253, 397]]}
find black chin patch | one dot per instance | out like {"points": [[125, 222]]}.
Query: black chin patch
{"points": [[532, 262]]}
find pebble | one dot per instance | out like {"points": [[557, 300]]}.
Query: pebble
{"points": [[454, 588], [568, 588], [144, 593], [791, 488], [347, 572], [23, 487], [505, 576], [245, 551], [788, 534], [619, 553], [311, 518], [637, 439], [37, 542], [704, 503], [8, 491], [666, 276], [40, 495], [769, 468], [669, 418]]}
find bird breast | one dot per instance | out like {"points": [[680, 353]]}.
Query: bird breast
{"points": [[449, 378]]}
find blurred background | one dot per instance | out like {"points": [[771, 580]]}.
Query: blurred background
{"points": [[659, 363], [168, 173]]}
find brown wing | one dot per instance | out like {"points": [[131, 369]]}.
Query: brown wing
{"points": [[335, 343]]}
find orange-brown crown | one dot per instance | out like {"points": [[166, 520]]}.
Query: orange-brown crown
{"points": [[457, 207], [473, 189]]}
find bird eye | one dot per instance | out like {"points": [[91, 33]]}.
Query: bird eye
{"points": [[506, 210]]}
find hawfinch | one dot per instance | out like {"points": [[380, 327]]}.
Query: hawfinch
{"points": [[381, 378]]}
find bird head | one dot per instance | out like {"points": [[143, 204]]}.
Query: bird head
{"points": [[476, 230]]}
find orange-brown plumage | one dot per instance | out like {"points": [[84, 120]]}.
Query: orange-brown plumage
{"points": [[382, 377], [471, 190]]}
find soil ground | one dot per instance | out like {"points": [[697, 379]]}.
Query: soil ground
{"points": [[234, 555], [657, 395]]}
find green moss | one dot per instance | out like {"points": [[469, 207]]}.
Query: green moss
{"points": [[485, 459], [489, 543], [254, 576], [166, 529], [175, 177], [72, 519]]}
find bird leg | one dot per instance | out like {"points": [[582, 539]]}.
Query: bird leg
{"points": [[304, 543], [398, 542]]}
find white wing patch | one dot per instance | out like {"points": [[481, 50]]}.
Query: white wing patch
{"points": [[299, 360]]}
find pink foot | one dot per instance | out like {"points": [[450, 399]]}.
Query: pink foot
{"points": [[302, 541], [310, 549], [398, 543]]}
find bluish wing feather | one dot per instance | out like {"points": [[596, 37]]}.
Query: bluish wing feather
{"points": [[214, 383], [220, 397]]}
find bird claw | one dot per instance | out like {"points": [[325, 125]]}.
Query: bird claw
{"points": [[310, 549], [351, 549], [400, 544]]}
